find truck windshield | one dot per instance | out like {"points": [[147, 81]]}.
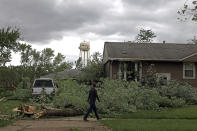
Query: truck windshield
{"points": [[43, 83]]}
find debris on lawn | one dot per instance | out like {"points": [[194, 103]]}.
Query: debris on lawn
{"points": [[37, 112], [2, 99]]}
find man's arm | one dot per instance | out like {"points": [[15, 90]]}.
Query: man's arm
{"points": [[89, 97], [97, 96]]}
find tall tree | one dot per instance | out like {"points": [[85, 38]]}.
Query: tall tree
{"points": [[94, 70], [47, 55], [26, 53], [78, 63], [8, 42], [35, 63], [59, 63], [189, 11], [193, 41], [145, 36]]}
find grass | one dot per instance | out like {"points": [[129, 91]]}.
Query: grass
{"points": [[75, 129], [189, 112], [151, 124], [176, 119], [6, 109], [7, 106], [5, 122]]}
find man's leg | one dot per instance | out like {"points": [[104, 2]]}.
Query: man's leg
{"points": [[89, 110], [95, 111]]}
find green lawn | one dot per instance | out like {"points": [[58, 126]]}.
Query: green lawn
{"points": [[4, 122], [151, 124], [7, 106], [189, 112], [6, 109], [178, 119]]}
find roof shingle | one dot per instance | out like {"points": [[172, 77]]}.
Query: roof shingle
{"points": [[148, 51]]}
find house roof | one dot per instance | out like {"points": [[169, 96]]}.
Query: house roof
{"points": [[72, 73], [128, 51]]}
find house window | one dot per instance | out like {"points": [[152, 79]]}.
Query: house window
{"points": [[189, 71]]}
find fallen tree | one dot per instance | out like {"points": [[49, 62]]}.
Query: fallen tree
{"points": [[27, 110]]}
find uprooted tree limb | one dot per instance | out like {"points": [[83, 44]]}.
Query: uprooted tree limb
{"points": [[38, 113]]}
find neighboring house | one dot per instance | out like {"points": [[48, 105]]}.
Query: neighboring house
{"points": [[63, 75], [130, 61]]}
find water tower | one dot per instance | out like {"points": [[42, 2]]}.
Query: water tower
{"points": [[84, 52]]}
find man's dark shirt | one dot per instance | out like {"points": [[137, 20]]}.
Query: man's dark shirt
{"points": [[92, 96]]}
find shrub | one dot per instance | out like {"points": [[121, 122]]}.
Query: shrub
{"points": [[115, 96], [180, 90], [10, 77], [119, 96], [4, 92], [21, 94], [71, 94], [173, 102], [147, 99]]}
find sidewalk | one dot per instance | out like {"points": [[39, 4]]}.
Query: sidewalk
{"points": [[56, 124]]}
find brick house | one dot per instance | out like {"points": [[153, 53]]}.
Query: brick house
{"points": [[130, 61]]}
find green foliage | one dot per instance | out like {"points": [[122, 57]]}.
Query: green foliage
{"points": [[75, 129], [24, 84], [180, 90], [7, 106], [150, 78], [4, 92], [78, 64], [119, 96], [193, 41], [189, 11], [5, 122], [94, 70], [37, 63], [115, 97], [151, 124], [71, 94], [43, 98], [8, 43], [21, 94], [23, 91], [187, 112], [145, 36], [8, 77]]}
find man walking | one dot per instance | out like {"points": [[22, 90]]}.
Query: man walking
{"points": [[92, 99]]}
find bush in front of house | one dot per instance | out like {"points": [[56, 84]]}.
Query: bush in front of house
{"points": [[22, 92], [71, 94], [4, 92], [180, 90], [119, 96], [9, 77]]}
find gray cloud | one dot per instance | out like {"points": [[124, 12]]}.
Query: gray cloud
{"points": [[44, 20]]}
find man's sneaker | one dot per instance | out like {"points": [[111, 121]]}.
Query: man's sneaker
{"points": [[99, 118], [85, 119]]}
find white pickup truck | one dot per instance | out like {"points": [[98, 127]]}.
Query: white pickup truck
{"points": [[43, 84]]}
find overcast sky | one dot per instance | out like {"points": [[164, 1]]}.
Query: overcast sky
{"points": [[63, 24]]}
